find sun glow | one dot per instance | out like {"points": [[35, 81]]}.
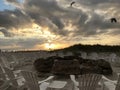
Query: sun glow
{"points": [[33, 31], [49, 46]]}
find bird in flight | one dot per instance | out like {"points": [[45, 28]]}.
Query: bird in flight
{"points": [[113, 20], [72, 3]]}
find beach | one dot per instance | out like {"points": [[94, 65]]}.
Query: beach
{"points": [[27, 65]]}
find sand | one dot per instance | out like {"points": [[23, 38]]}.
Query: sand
{"points": [[69, 85]]}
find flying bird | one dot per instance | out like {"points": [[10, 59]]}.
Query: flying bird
{"points": [[113, 20], [72, 3]]}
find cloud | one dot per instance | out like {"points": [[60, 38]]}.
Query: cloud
{"points": [[19, 44], [87, 18], [47, 8], [5, 32], [13, 19], [15, 3], [49, 13], [30, 42], [95, 3]]}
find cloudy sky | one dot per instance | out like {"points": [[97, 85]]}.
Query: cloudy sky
{"points": [[44, 24]]}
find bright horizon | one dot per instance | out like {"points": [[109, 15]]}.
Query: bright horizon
{"points": [[54, 24]]}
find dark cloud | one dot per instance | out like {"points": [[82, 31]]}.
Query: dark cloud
{"points": [[85, 16], [6, 42], [58, 17], [57, 22], [46, 8], [11, 1], [13, 19], [5, 32], [95, 22], [114, 32], [20, 43], [96, 2], [30, 42], [49, 13]]}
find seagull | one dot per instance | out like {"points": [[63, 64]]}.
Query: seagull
{"points": [[113, 20], [72, 3]]}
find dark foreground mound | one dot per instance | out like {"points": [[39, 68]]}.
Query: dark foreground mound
{"points": [[43, 65], [66, 67], [95, 66], [72, 65]]}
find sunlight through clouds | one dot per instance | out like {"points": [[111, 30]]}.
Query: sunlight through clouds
{"points": [[37, 24]]}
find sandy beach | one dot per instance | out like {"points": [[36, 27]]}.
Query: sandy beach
{"points": [[69, 85], [26, 63]]}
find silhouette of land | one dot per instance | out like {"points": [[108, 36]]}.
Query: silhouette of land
{"points": [[91, 48]]}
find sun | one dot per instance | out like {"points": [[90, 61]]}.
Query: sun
{"points": [[49, 46]]}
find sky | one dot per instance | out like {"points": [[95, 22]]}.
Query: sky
{"points": [[55, 24]]}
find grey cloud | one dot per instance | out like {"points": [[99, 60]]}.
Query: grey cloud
{"points": [[115, 32], [6, 42], [83, 18], [13, 2], [37, 8], [96, 2], [57, 22], [96, 22], [52, 14], [30, 42], [13, 19], [5, 32], [51, 10], [21, 43]]}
